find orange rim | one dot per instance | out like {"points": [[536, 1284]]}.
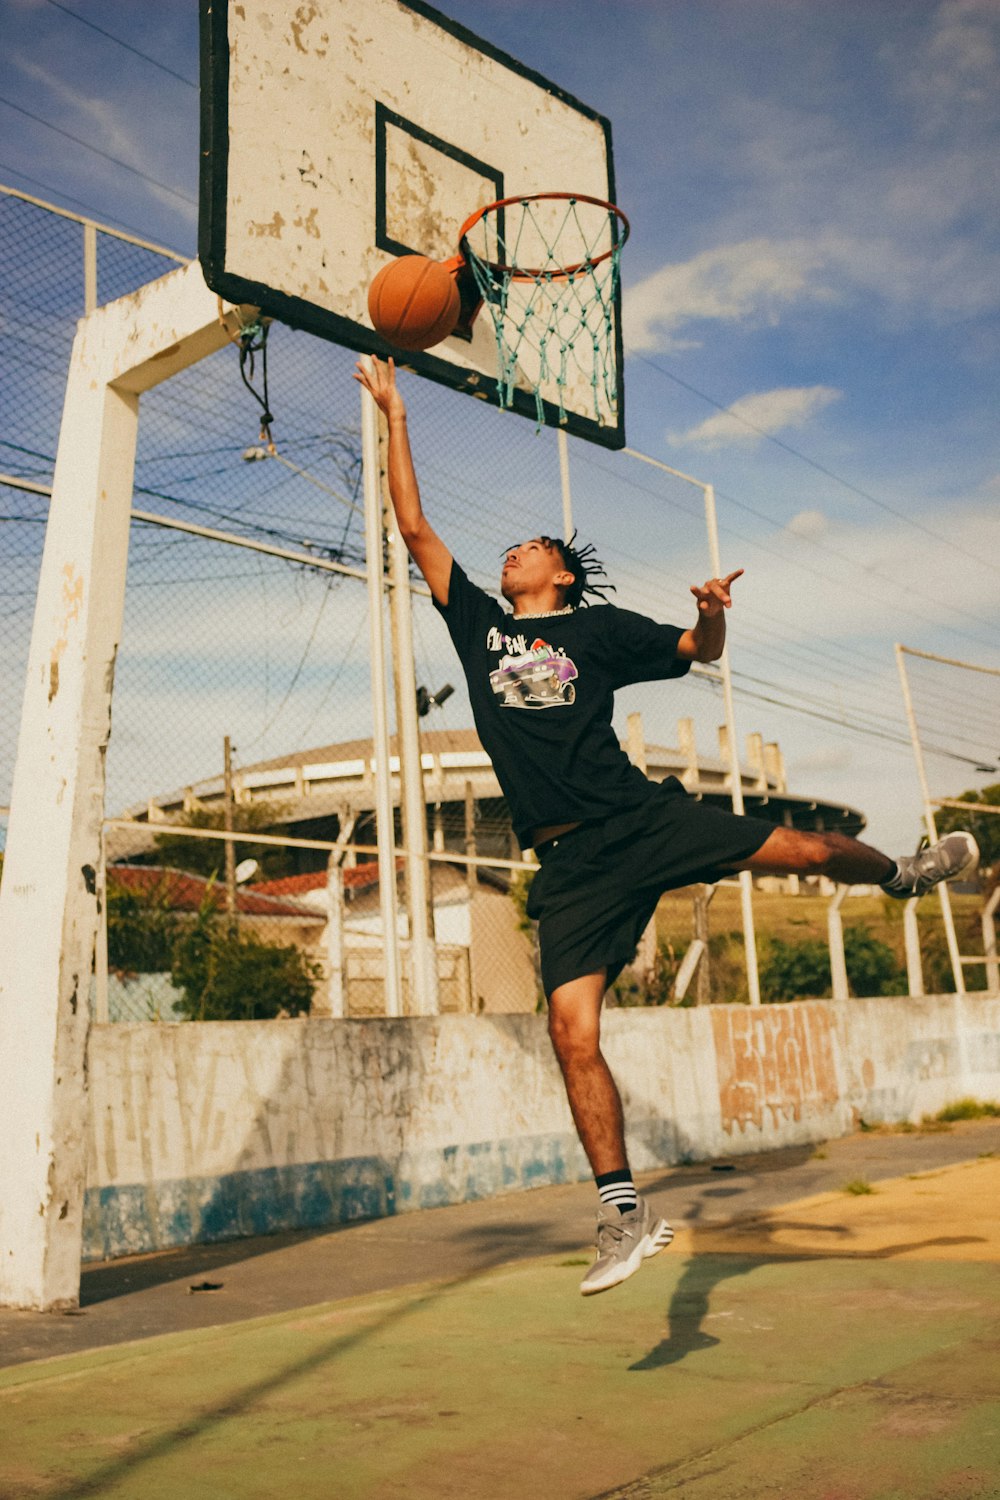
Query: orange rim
{"points": [[524, 273]]}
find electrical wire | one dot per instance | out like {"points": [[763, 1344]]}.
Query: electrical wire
{"points": [[119, 43], [87, 146], [813, 464]]}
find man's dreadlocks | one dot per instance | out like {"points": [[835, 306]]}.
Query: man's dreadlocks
{"points": [[585, 566]]}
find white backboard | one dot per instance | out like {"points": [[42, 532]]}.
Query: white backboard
{"points": [[342, 133]]}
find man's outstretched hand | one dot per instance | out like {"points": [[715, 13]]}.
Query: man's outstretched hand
{"points": [[715, 594], [380, 382]]}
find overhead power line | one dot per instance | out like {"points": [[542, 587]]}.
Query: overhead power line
{"points": [[846, 484], [119, 43], [753, 542], [115, 160]]}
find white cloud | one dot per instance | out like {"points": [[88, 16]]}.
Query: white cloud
{"points": [[115, 136], [952, 77], [733, 283], [758, 415], [808, 524]]}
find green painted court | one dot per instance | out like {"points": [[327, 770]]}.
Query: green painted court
{"points": [[838, 1345]]}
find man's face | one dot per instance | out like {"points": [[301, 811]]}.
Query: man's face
{"points": [[531, 568]]}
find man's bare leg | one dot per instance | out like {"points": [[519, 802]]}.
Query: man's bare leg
{"points": [[630, 1235], [787, 851], [575, 1029]]}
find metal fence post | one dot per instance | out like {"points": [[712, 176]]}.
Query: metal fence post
{"points": [[386, 838], [911, 940], [835, 938], [925, 792]]}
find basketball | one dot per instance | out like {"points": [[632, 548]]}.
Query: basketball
{"points": [[414, 302]]}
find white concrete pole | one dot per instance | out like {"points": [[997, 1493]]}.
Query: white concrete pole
{"points": [[386, 837], [48, 901], [48, 911]]}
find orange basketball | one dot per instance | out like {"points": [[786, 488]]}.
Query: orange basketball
{"points": [[414, 302]]}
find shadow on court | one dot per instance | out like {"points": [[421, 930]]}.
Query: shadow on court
{"points": [[691, 1300], [244, 1400]]}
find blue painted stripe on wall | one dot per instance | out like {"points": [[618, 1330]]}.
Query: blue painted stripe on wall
{"points": [[138, 1217]]}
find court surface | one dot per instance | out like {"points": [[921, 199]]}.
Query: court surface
{"points": [[797, 1340]]}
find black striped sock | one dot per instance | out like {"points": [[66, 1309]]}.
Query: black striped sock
{"points": [[617, 1190]]}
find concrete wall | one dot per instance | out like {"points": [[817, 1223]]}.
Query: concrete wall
{"points": [[209, 1131]]}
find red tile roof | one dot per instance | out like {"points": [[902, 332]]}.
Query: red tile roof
{"points": [[185, 892], [356, 877]]}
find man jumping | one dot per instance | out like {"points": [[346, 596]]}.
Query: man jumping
{"points": [[541, 681]]}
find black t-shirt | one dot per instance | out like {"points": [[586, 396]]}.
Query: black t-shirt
{"points": [[542, 690]]}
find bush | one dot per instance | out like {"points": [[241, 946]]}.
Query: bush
{"points": [[142, 928], [794, 971], [226, 975], [872, 967], [968, 1109]]}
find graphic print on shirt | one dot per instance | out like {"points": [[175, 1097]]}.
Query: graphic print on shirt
{"points": [[535, 676]]}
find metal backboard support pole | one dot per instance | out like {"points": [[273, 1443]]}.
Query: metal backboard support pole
{"points": [[413, 804], [385, 833], [567, 493]]}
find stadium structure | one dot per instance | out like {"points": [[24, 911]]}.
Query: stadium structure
{"points": [[313, 791]]}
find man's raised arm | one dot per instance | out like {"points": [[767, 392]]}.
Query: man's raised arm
{"points": [[423, 543], [707, 640]]}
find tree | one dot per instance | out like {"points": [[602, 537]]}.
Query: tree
{"points": [[208, 856], [984, 827], [230, 976]]}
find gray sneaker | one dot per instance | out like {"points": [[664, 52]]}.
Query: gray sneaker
{"points": [[624, 1241], [955, 855]]}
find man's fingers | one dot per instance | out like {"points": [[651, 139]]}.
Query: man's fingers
{"points": [[731, 577]]}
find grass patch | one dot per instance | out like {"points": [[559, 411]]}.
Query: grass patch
{"points": [[858, 1188], [965, 1109]]}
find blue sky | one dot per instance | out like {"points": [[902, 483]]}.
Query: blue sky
{"points": [[812, 291]]}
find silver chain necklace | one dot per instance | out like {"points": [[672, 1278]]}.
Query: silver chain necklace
{"points": [[547, 614]]}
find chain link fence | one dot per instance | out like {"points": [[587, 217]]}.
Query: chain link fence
{"points": [[246, 623]]}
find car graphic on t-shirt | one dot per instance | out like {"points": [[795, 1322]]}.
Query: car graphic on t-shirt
{"points": [[541, 678]]}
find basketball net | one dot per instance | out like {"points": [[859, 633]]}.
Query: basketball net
{"points": [[547, 268]]}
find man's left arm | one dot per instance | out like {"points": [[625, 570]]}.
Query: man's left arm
{"points": [[706, 640]]}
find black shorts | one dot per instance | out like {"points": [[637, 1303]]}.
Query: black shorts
{"points": [[599, 884]]}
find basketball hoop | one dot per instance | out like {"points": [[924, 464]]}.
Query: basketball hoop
{"points": [[547, 267]]}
